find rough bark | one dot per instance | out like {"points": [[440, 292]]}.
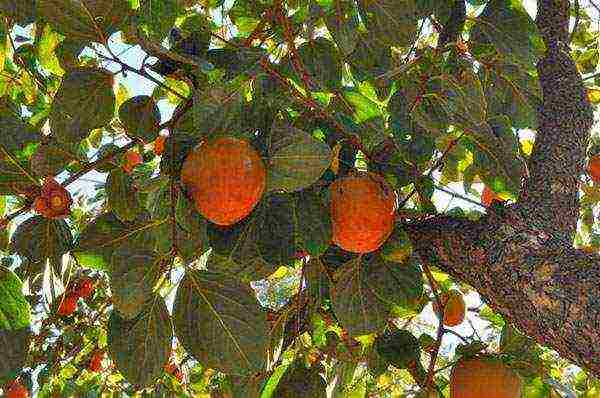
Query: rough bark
{"points": [[520, 258]]}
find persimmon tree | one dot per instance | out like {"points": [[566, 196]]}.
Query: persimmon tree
{"points": [[282, 198]]}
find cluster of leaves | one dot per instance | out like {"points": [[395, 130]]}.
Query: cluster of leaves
{"points": [[320, 88]]}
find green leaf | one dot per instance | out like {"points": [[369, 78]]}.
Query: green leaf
{"points": [[84, 101], [15, 140], [217, 111], [506, 27], [342, 22], [50, 159], [15, 312], [106, 233], [122, 196], [355, 304], [85, 20], [158, 17], [276, 233], [296, 159], [141, 117], [39, 238], [317, 280], [322, 63], [187, 232], [299, 381], [14, 346], [398, 347], [392, 22], [218, 320], [45, 50], [370, 58], [400, 285], [141, 347], [133, 274], [314, 223], [364, 107]]}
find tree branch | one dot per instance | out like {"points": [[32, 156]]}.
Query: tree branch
{"points": [[538, 282], [550, 196]]}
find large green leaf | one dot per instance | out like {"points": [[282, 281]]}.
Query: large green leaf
{"points": [[158, 17], [187, 232], [15, 312], [105, 233], [314, 223], [398, 347], [299, 381], [400, 285], [342, 22], [85, 20], [219, 321], [504, 27], [392, 22], [84, 101], [38, 238], [14, 346], [133, 274], [296, 159], [276, 233], [317, 280], [321, 61], [355, 304], [15, 137], [122, 196], [140, 347], [140, 116]]}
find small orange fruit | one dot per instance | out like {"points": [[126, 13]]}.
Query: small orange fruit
{"points": [[594, 168], [131, 160], [159, 145], [454, 308], [84, 288], [484, 378], [68, 305], [363, 208], [487, 196], [17, 390], [96, 361], [54, 201], [226, 177]]}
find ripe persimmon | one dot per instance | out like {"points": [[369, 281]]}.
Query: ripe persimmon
{"points": [[95, 363], [54, 201], [487, 196], [226, 178], [159, 145], [84, 288], [16, 390], [363, 210], [594, 168], [68, 305], [131, 160], [454, 308], [484, 378]]}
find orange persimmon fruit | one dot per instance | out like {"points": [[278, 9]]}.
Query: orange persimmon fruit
{"points": [[54, 201], [484, 378], [226, 178], [487, 196], [454, 308], [594, 168], [131, 160], [68, 305], [363, 211], [95, 363], [16, 390]]}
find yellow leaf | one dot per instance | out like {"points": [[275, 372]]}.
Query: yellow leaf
{"points": [[527, 146], [593, 94]]}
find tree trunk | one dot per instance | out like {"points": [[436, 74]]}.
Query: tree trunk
{"points": [[520, 258]]}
